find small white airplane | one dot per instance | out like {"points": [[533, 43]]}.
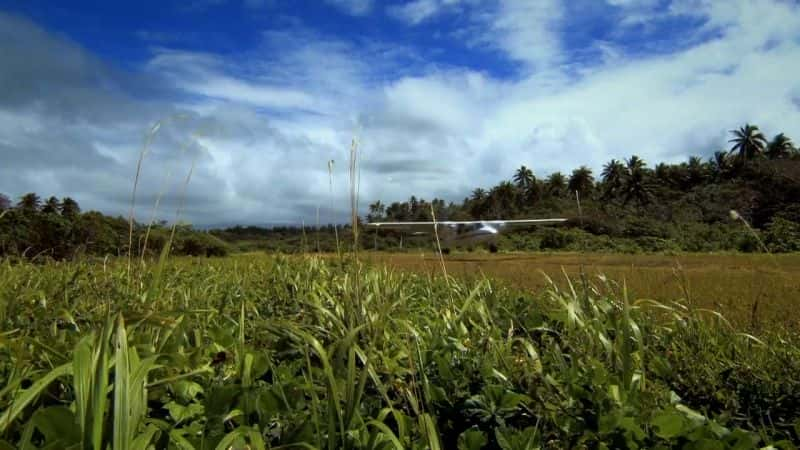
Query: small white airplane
{"points": [[455, 232]]}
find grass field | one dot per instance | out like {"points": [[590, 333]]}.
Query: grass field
{"points": [[257, 352], [728, 283]]}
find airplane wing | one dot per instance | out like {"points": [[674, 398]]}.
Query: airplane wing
{"points": [[522, 223], [427, 227]]}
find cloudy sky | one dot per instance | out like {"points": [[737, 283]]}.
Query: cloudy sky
{"points": [[444, 95]]}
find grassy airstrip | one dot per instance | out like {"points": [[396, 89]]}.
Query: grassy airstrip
{"points": [[255, 351], [752, 290]]}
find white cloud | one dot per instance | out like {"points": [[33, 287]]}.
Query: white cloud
{"points": [[425, 130], [527, 31], [417, 11], [353, 7]]}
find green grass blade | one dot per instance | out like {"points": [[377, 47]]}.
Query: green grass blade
{"points": [[122, 390], [386, 431], [29, 395], [99, 399]]}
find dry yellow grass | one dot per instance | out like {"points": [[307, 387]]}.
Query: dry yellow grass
{"points": [[728, 283]]}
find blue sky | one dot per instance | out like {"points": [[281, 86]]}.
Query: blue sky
{"points": [[444, 95]]}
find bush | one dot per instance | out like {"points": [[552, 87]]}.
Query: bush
{"points": [[554, 239], [747, 243], [654, 244], [640, 226], [782, 236]]}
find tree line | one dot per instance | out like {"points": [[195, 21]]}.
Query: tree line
{"points": [[630, 205], [56, 228]]}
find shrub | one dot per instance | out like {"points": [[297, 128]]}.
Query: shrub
{"points": [[555, 239], [782, 236]]}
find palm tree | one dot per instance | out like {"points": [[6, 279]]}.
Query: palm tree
{"points": [[530, 195], [748, 142], [720, 164], [477, 203], [613, 178], [29, 202], [376, 211], [398, 211], [503, 197], [696, 171], [556, 184], [51, 206], [581, 181], [524, 178], [663, 173], [69, 207], [636, 186], [413, 204], [780, 147]]}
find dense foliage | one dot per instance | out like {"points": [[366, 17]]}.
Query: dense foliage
{"points": [[304, 353], [58, 229], [632, 207]]}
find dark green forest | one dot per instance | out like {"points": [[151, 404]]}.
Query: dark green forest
{"points": [[56, 228], [745, 198]]}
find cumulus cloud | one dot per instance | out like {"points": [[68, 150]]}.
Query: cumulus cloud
{"points": [[260, 125]]}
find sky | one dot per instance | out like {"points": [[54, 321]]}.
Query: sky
{"points": [[250, 99]]}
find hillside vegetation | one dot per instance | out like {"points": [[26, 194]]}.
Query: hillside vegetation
{"points": [[58, 229], [633, 207]]}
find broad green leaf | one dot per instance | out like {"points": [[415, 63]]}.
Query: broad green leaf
{"points": [[472, 440], [144, 439], [669, 424], [176, 437]]}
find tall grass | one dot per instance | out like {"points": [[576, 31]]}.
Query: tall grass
{"points": [[287, 352]]}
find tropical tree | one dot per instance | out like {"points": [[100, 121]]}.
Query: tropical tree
{"points": [[748, 143], [478, 203], [663, 173], [69, 207], [556, 184], [524, 178], [779, 147], [29, 202], [413, 204], [613, 176], [529, 195], [581, 181], [376, 211], [636, 185], [503, 197], [51, 206], [398, 211], [439, 208], [696, 172], [720, 164]]}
